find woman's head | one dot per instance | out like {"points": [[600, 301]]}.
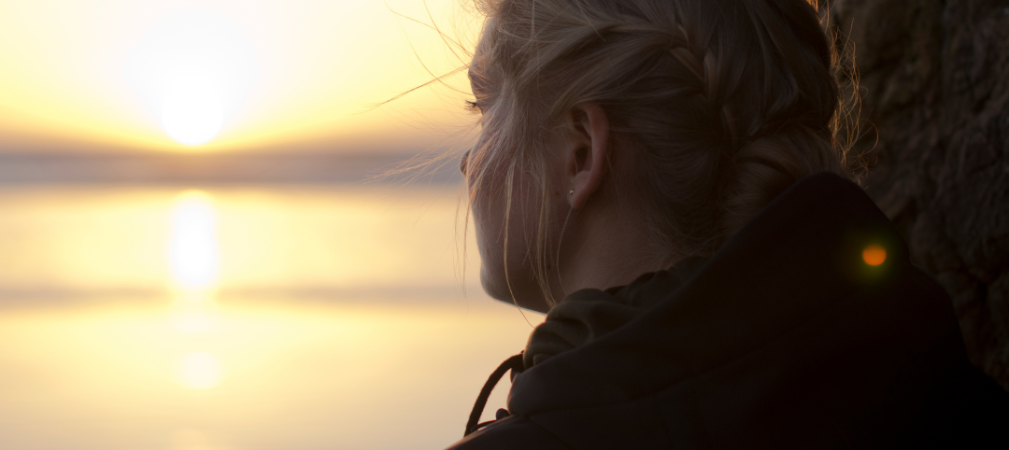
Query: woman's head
{"points": [[713, 107]]}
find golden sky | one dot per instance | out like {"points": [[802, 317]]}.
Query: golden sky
{"points": [[258, 75]]}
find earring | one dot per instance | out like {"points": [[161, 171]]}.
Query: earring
{"points": [[571, 192]]}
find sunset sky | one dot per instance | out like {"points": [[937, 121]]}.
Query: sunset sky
{"points": [[230, 75], [202, 245]]}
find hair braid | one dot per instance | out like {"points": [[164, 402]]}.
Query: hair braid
{"points": [[722, 104], [705, 69]]}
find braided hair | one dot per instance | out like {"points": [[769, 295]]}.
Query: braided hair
{"points": [[725, 103]]}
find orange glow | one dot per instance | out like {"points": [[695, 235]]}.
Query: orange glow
{"points": [[874, 255]]}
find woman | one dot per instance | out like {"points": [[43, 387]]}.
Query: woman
{"points": [[661, 178]]}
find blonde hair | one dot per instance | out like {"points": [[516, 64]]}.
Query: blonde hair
{"points": [[723, 104]]}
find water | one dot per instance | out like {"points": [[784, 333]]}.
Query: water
{"points": [[242, 318]]}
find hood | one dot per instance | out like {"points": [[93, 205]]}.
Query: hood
{"points": [[791, 290]]}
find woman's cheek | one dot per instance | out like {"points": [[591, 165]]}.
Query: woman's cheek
{"points": [[490, 243]]}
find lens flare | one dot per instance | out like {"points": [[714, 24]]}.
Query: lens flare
{"points": [[874, 255]]}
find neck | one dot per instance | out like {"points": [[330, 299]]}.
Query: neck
{"points": [[608, 246]]}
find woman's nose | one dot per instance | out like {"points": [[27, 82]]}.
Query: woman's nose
{"points": [[464, 162]]}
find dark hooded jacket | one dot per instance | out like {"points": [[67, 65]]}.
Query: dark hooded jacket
{"points": [[785, 338]]}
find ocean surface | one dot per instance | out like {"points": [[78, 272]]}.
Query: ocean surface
{"points": [[243, 317]]}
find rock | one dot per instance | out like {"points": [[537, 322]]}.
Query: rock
{"points": [[935, 112]]}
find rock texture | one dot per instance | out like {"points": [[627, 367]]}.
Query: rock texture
{"points": [[935, 113]]}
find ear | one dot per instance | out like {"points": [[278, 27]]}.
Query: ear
{"points": [[587, 156]]}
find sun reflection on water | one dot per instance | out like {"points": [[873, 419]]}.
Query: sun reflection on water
{"points": [[200, 370], [193, 315], [223, 346], [193, 252], [193, 247]]}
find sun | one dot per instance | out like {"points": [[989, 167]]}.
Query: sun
{"points": [[193, 111]]}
